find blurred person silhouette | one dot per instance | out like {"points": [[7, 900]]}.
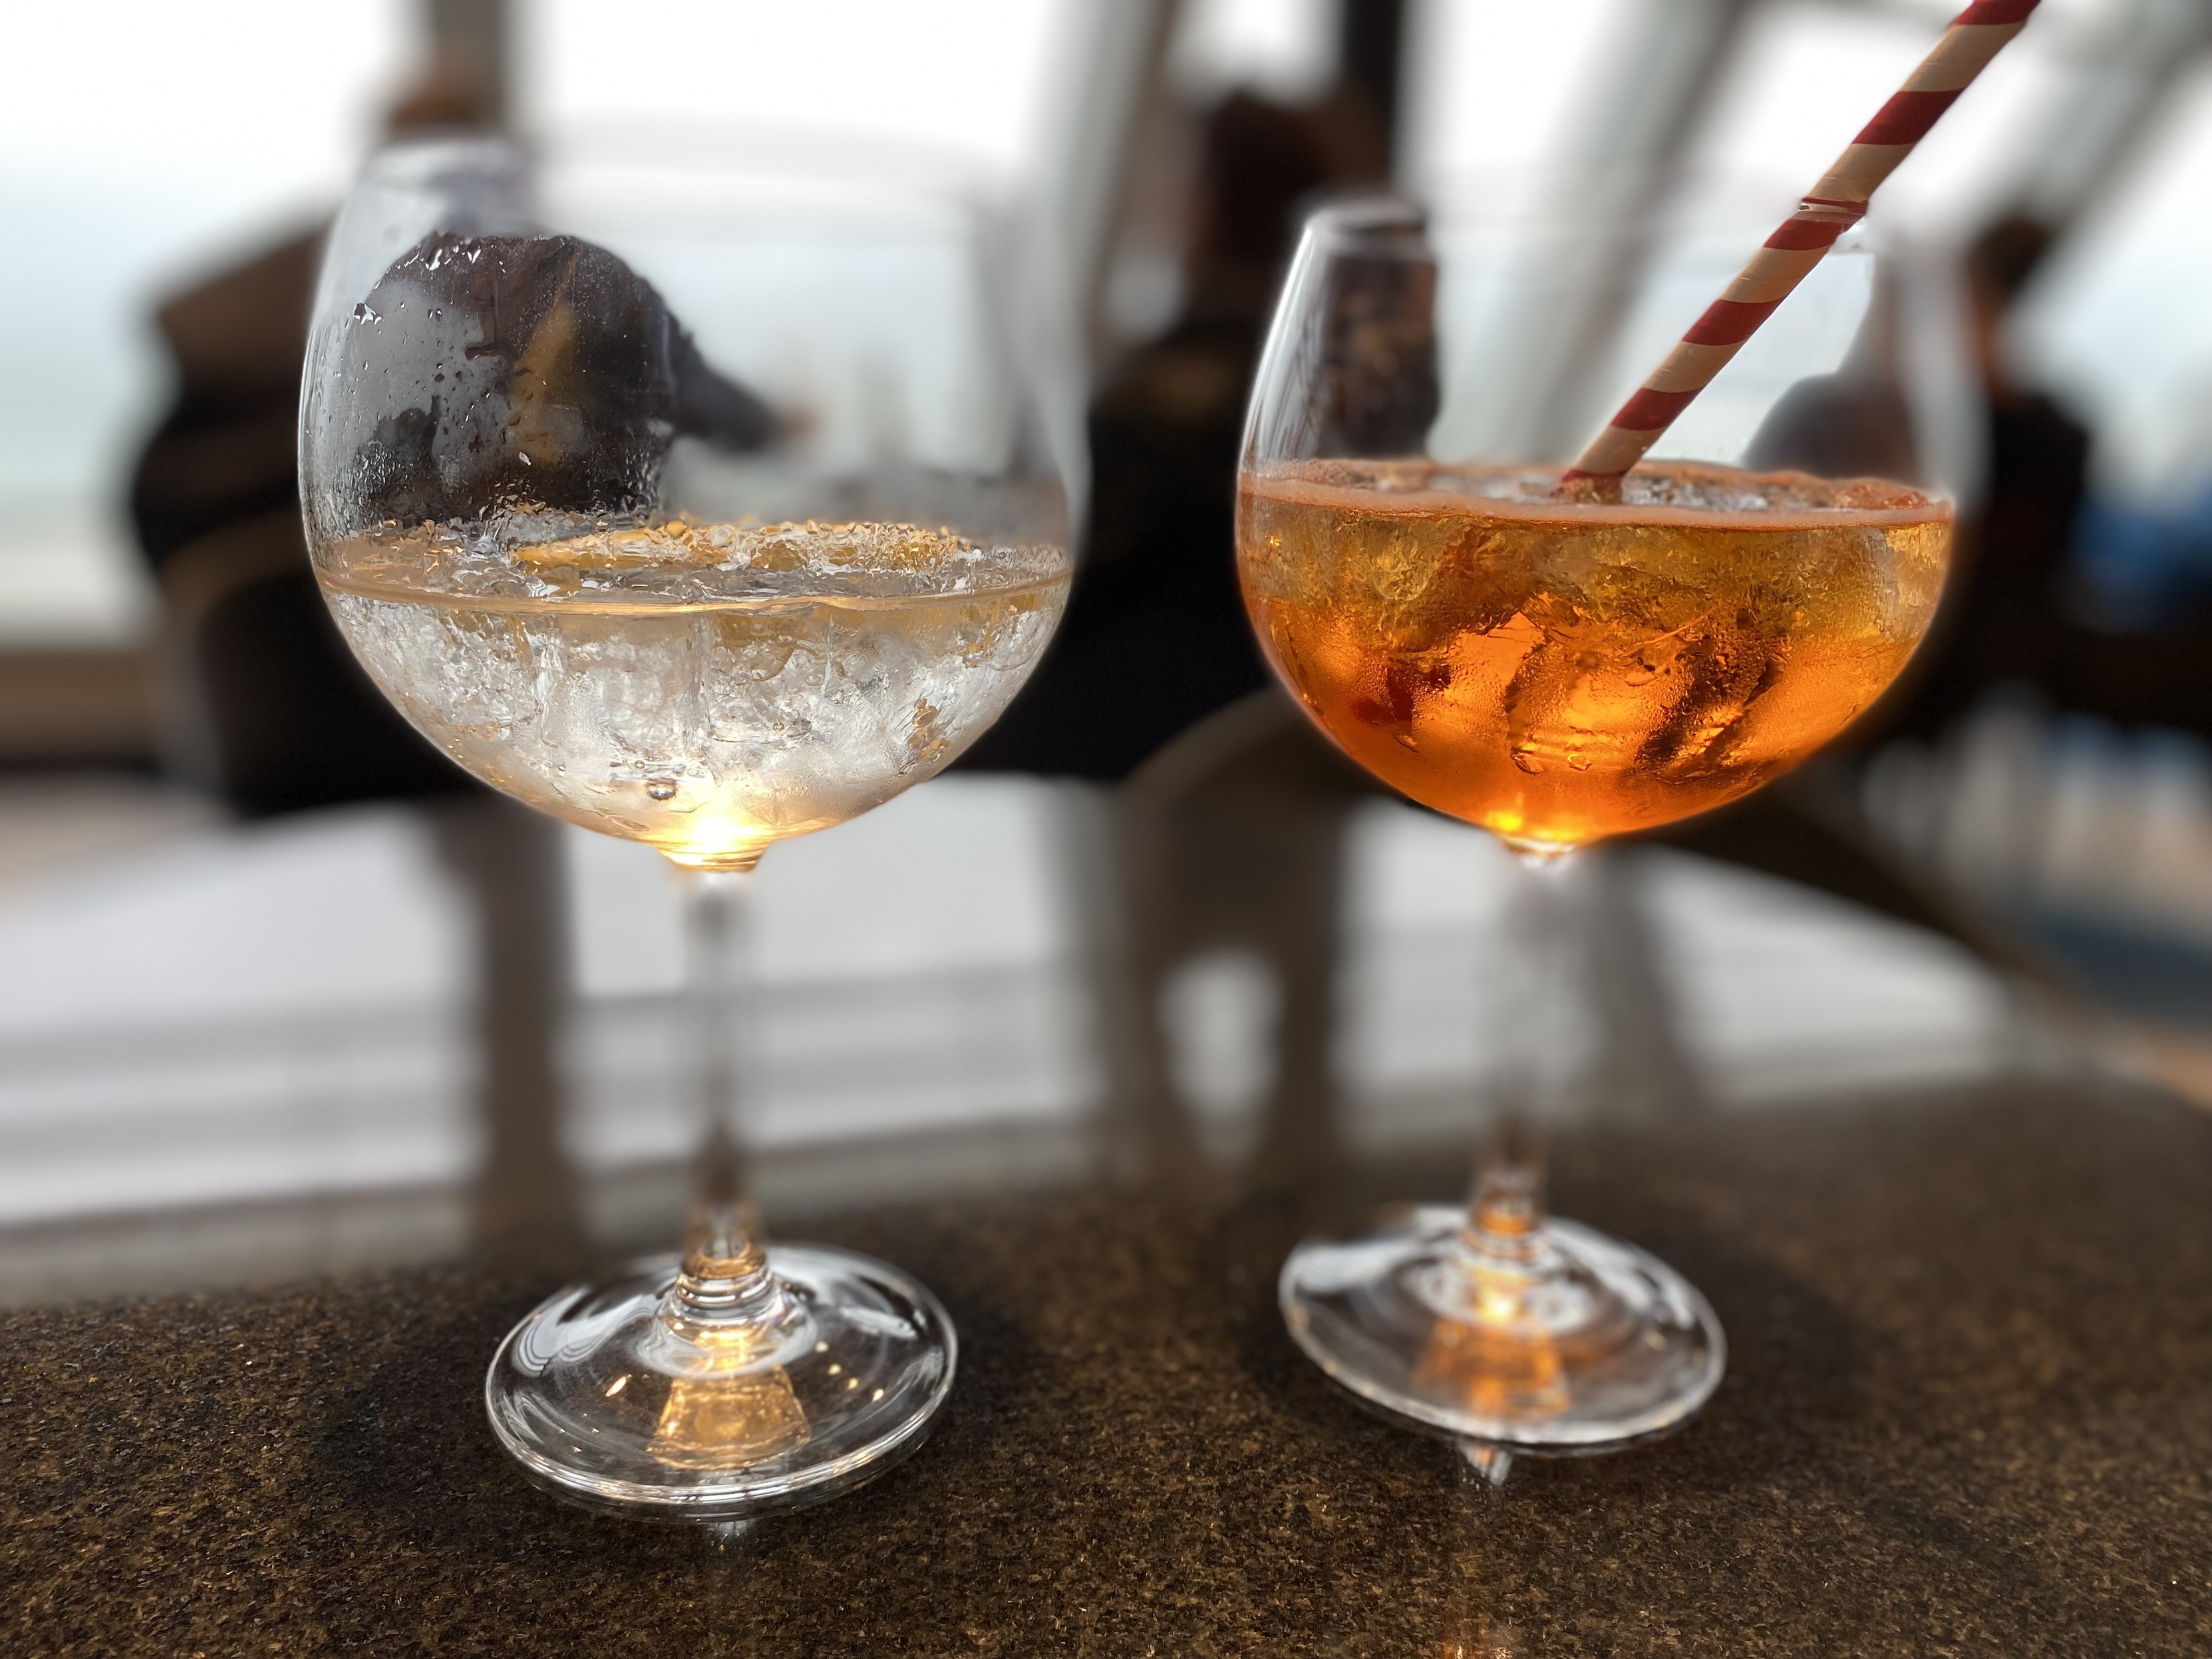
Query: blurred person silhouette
{"points": [[2004, 621], [1156, 637], [2016, 617], [260, 701]]}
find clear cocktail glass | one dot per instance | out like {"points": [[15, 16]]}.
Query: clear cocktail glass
{"points": [[1558, 668], [704, 504]]}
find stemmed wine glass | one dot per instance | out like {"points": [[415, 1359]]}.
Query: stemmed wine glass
{"points": [[702, 503], [1559, 668]]}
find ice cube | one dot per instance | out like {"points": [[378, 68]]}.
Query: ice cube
{"points": [[484, 372]]}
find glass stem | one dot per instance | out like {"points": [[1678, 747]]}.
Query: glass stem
{"points": [[724, 1286], [1543, 1042]]}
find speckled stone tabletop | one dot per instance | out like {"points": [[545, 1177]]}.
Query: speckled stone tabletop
{"points": [[1969, 1412]]}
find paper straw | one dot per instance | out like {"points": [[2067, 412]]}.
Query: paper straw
{"points": [[1834, 205]]}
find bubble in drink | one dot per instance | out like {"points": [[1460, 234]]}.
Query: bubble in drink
{"points": [[705, 689], [1557, 671]]}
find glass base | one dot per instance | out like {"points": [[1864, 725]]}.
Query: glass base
{"points": [[616, 1396], [1560, 1341]]}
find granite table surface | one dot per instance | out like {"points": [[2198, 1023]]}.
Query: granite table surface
{"points": [[1968, 1411]]}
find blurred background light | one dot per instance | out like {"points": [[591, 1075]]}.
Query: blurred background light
{"points": [[212, 126], [970, 78], [1284, 49], [124, 198]]}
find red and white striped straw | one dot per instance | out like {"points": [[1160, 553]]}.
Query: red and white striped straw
{"points": [[1835, 204]]}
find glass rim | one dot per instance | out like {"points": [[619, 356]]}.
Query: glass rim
{"points": [[1400, 220]]}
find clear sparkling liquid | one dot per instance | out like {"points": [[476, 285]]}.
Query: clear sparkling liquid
{"points": [[706, 690]]}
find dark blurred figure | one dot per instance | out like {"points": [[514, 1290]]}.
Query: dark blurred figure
{"points": [[2003, 621], [2013, 618], [260, 698], [1156, 636]]}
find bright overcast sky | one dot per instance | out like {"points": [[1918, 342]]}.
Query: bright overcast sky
{"points": [[219, 123]]}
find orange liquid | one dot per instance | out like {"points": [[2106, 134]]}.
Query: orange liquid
{"points": [[1559, 671]]}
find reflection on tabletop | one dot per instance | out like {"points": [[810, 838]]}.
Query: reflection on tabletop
{"points": [[222, 1045]]}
